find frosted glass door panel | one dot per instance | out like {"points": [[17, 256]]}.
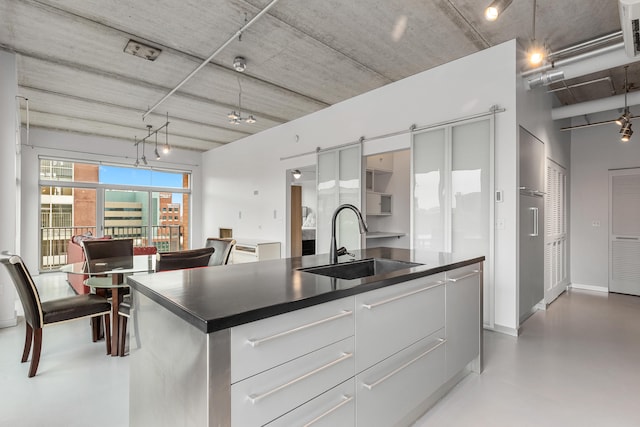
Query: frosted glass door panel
{"points": [[470, 188], [429, 185], [339, 181], [348, 233], [327, 198]]}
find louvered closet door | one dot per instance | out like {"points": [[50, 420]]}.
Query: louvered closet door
{"points": [[624, 247]]}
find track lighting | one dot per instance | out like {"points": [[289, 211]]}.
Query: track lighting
{"points": [[166, 148], [625, 119], [495, 9]]}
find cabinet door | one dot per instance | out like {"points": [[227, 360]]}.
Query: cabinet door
{"points": [[373, 204], [389, 391], [261, 345], [463, 317], [392, 318], [262, 398]]}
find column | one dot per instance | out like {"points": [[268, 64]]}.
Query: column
{"points": [[8, 178]]}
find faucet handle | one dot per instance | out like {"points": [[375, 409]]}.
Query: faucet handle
{"points": [[343, 251]]}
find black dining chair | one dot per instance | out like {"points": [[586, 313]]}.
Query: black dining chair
{"points": [[165, 261], [178, 260], [39, 314], [223, 248]]}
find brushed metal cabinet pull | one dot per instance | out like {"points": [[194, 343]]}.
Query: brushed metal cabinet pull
{"points": [[408, 294], [345, 399], [441, 341], [257, 398], [455, 279], [254, 342]]}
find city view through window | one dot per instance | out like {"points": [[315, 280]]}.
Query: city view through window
{"points": [[149, 206]]}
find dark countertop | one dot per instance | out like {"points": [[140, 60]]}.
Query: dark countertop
{"points": [[216, 298]]}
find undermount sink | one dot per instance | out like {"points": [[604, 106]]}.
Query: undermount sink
{"points": [[360, 269]]}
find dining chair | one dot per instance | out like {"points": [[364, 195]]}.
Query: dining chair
{"points": [[39, 314], [223, 249], [165, 261], [184, 259]]}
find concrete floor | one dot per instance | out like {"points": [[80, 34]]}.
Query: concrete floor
{"points": [[577, 364]]}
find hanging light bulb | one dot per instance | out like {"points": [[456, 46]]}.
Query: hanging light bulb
{"points": [[166, 147], [625, 119], [626, 132], [495, 9], [536, 53]]}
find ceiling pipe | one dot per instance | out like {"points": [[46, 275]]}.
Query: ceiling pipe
{"points": [[595, 106], [213, 55]]}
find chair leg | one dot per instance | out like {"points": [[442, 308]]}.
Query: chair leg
{"points": [[94, 329], [122, 339], [107, 331], [37, 346], [27, 343]]}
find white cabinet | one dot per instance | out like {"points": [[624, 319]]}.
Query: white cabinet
{"points": [[262, 398], [250, 250], [463, 319], [378, 204], [261, 345], [397, 316], [389, 392]]}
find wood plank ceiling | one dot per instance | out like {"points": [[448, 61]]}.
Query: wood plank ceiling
{"points": [[302, 56]]}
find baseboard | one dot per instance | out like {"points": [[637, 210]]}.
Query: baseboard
{"points": [[502, 329], [8, 323], [589, 287]]}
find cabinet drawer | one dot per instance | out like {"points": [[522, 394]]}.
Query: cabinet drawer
{"points": [[266, 396], [392, 318], [334, 408], [388, 391], [261, 345]]}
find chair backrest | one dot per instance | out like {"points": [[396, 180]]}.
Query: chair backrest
{"points": [[145, 250], [26, 288], [223, 250], [183, 259], [97, 251]]}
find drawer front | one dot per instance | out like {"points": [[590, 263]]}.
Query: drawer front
{"points": [[264, 397], [334, 408], [392, 318], [261, 345], [388, 391], [464, 320]]}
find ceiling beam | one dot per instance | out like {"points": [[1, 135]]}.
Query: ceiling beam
{"points": [[190, 56]]}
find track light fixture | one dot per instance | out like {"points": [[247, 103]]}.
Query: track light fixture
{"points": [[495, 9], [625, 119], [235, 117], [537, 52], [239, 64], [166, 148]]}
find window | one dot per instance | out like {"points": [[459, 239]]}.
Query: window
{"points": [[129, 199]]}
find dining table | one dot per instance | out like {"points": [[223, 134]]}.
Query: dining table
{"points": [[109, 273]]}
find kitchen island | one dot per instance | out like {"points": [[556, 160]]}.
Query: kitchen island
{"points": [[267, 344]]}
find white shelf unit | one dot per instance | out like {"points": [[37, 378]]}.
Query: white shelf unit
{"points": [[378, 175]]}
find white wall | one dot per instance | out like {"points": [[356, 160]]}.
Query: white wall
{"points": [[91, 148], [594, 151], [244, 182], [10, 185]]}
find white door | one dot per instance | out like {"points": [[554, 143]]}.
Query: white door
{"points": [[624, 231]]}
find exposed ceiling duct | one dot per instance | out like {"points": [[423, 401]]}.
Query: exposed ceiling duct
{"points": [[596, 106]]}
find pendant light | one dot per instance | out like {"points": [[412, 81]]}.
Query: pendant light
{"points": [[625, 120], [495, 9]]}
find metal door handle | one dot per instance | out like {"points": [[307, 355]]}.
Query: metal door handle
{"points": [[534, 219], [455, 279]]}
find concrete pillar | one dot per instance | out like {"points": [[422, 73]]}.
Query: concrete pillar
{"points": [[8, 180]]}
